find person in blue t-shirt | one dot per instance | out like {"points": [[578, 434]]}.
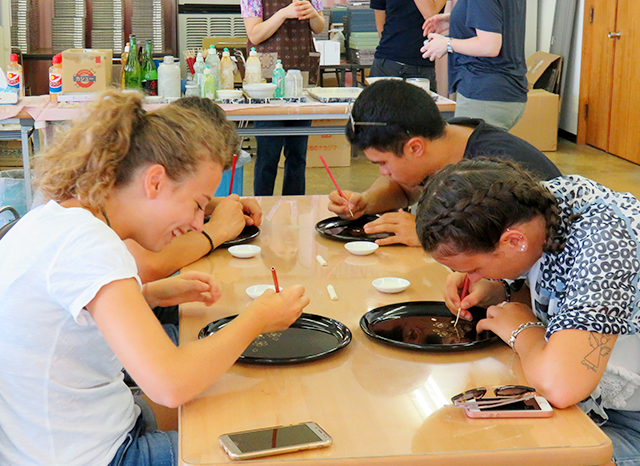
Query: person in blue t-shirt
{"points": [[487, 66], [399, 25]]}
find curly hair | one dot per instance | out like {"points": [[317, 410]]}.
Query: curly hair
{"points": [[466, 207], [118, 137]]}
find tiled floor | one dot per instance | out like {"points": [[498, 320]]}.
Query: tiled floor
{"points": [[611, 171]]}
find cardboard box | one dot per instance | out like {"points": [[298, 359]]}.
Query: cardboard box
{"points": [[543, 71], [329, 52], [86, 70], [539, 124], [334, 148]]}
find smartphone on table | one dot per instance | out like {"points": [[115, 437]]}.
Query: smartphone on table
{"points": [[537, 406], [274, 440]]}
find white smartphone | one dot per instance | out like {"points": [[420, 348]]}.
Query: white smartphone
{"points": [[274, 440], [537, 406]]}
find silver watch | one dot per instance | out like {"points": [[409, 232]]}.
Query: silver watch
{"points": [[449, 48]]}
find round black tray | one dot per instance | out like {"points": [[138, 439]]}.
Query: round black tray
{"points": [[345, 230], [426, 326], [309, 338], [248, 234]]}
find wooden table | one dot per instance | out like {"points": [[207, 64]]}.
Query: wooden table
{"points": [[382, 405]]}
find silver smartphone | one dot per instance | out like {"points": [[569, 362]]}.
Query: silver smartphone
{"points": [[274, 440], [534, 407]]}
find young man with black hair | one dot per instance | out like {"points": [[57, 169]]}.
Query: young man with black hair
{"points": [[399, 127]]}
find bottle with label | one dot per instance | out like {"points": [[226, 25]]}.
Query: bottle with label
{"points": [[208, 84], [123, 61], [226, 70], [169, 78], [199, 67], [253, 68], [290, 85], [15, 76], [132, 68], [278, 79], [213, 60], [55, 78], [149, 71]]}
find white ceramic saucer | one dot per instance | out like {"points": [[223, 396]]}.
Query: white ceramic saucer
{"points": [[257, 290], [244, 251], [391, 284], [361, 248]]}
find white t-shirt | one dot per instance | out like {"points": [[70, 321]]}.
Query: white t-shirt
{"points": [[62, 398]]}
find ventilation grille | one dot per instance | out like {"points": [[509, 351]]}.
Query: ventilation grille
{"points": [[196, 27]]}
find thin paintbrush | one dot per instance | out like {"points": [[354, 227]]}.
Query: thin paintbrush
{"points": [[465, 291], [335, 183]]}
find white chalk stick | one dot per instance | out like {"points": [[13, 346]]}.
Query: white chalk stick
{"points": [[321, 260], [332, 293]]}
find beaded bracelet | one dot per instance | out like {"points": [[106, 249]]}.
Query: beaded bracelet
{"points": [[521, 327], [206, 235]]}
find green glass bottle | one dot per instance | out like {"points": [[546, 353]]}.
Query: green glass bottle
{"points": [[133, 69], [149, 71]]}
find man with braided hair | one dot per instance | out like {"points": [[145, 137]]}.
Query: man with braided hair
{"points": [[399, 127], [576, 323]]}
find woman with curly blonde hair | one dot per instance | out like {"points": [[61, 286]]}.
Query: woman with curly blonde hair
{"points": [[74, 311]]}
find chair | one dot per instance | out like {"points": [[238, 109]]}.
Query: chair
{"points": [[5, 228]]}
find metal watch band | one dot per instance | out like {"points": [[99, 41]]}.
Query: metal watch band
{"points": [[521, 327]]}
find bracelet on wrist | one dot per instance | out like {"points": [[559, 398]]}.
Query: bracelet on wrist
{"points": [[507, 290], [206, 235], [512, 340]]}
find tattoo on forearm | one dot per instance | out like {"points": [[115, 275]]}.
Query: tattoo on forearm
{"points": [[600, 350]]}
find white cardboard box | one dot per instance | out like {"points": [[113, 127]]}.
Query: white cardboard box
{"points": [[329, 52]]}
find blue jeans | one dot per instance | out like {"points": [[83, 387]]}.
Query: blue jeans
{"points": [[268, 155], [385, 67], [623, 428], [147, 449]]}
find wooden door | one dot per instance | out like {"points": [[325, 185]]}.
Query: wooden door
{"points": [[609, 96], [624, 130]]}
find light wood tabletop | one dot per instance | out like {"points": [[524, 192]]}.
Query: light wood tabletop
{"points": [[381, 404]]}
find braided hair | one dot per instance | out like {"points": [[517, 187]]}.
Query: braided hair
{"points": [[467, 206]]}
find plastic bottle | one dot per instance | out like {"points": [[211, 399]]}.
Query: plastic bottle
{"points": [[199, 67], [213, 60], [55, 78], [123, 61], [149, 71], [208, 84], [290, 85], [278, 79], [169, 78], [132, 68], [298, 77], [226, 70], [15, 76], [253, 68]]}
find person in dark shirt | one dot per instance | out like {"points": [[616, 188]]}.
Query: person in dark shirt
{"points": [[399, 127]]}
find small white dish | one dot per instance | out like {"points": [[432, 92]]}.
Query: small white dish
{"points": [[257, 290], [391, 284], [228, 94], [361, 248], [260, 90], [244, 251]]}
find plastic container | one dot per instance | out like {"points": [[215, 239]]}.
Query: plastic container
{"points": [[199, 67], [12, 191], [213, 60], [226, 70], [253, 68], [15, 76], [55, 78], [278, 79], [291, 84], [298, 77], [208, 85], [192, 89], [169, 78]]}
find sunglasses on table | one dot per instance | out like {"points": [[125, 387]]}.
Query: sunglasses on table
{"points": [[503, 395]]}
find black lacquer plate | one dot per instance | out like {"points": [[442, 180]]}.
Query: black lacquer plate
{"points": [[426, 326], [309, 338], [248, 234], [345, 230]]}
